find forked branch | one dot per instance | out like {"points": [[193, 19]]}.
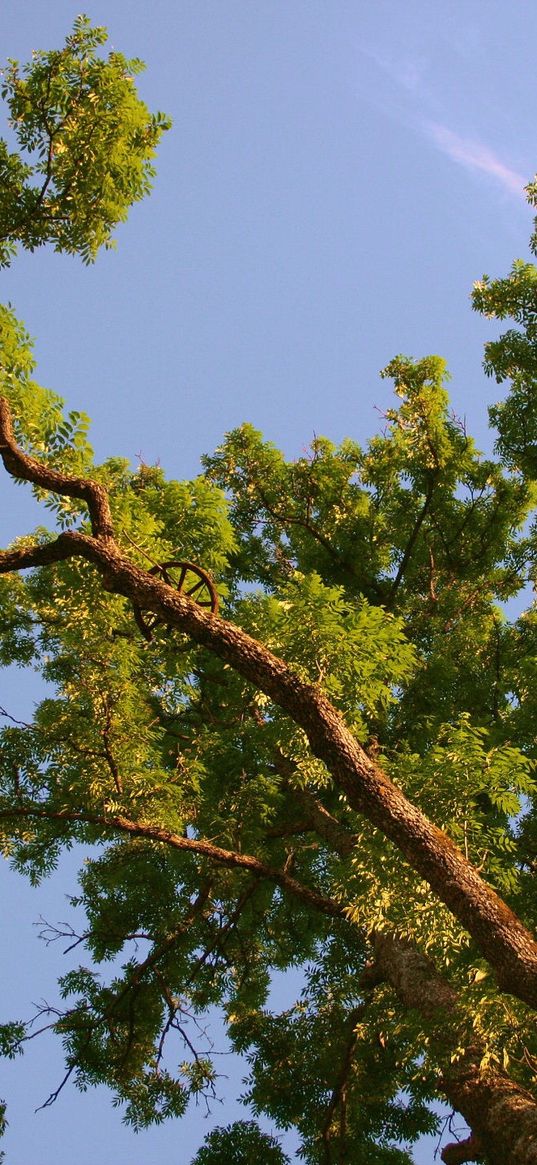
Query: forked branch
{"points": [[502, 938]]}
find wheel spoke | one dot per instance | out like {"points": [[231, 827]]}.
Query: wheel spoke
{"points": [[192, 590], [182, 575], [197, 592]]}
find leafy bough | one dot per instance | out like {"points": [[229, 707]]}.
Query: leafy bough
{"points": [[501, 937]]}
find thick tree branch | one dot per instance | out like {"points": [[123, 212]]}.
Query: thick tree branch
{"points": [[499, 934], [42, 554], [459, 1152], [419, 986], [501, 1114]]}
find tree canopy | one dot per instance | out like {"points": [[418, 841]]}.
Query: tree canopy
{"points": [[290, 716]]}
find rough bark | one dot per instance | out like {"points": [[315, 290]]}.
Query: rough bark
{"points": [[488, 1100], [461, 1151], [27, 468], [500, 1113], [499, 934]]}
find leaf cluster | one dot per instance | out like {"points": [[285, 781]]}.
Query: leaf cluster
{"points": [[218, 848], [85, 147]]}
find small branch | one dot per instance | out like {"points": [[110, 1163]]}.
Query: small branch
{"points": [[307, 525], [13, 719], [338, 1098], [497, 671], [54, 1095], [412, 541], [141, 549], [169, 942], [110, 758], [219, 943], [51, 934], [324, 824], [203, 848], [432, 571]]}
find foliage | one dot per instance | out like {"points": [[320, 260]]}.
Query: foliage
{"points": [[219, 847], [85, 142], [241, 1143]]}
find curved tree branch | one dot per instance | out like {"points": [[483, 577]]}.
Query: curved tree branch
{"points": [[500, 935], [500, 1112], [19, 464]]}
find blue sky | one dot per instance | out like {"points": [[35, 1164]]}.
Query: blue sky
{"points": [[338, 174]]}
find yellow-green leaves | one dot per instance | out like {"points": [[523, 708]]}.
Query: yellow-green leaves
{"points": [[356, 652], [86, 141], [41, 426]]}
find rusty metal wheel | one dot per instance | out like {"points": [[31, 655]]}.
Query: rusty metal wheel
{"points": [[189, 580]]}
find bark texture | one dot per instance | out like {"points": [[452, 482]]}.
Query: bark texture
{"points": [[501, 1114], [500, 935]]}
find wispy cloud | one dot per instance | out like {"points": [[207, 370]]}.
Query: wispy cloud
{"points": [[474, 156], [406, 71], [413, 91]]}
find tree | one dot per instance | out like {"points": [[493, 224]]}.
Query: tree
{"points": [[87, 139], [335, 772]]}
